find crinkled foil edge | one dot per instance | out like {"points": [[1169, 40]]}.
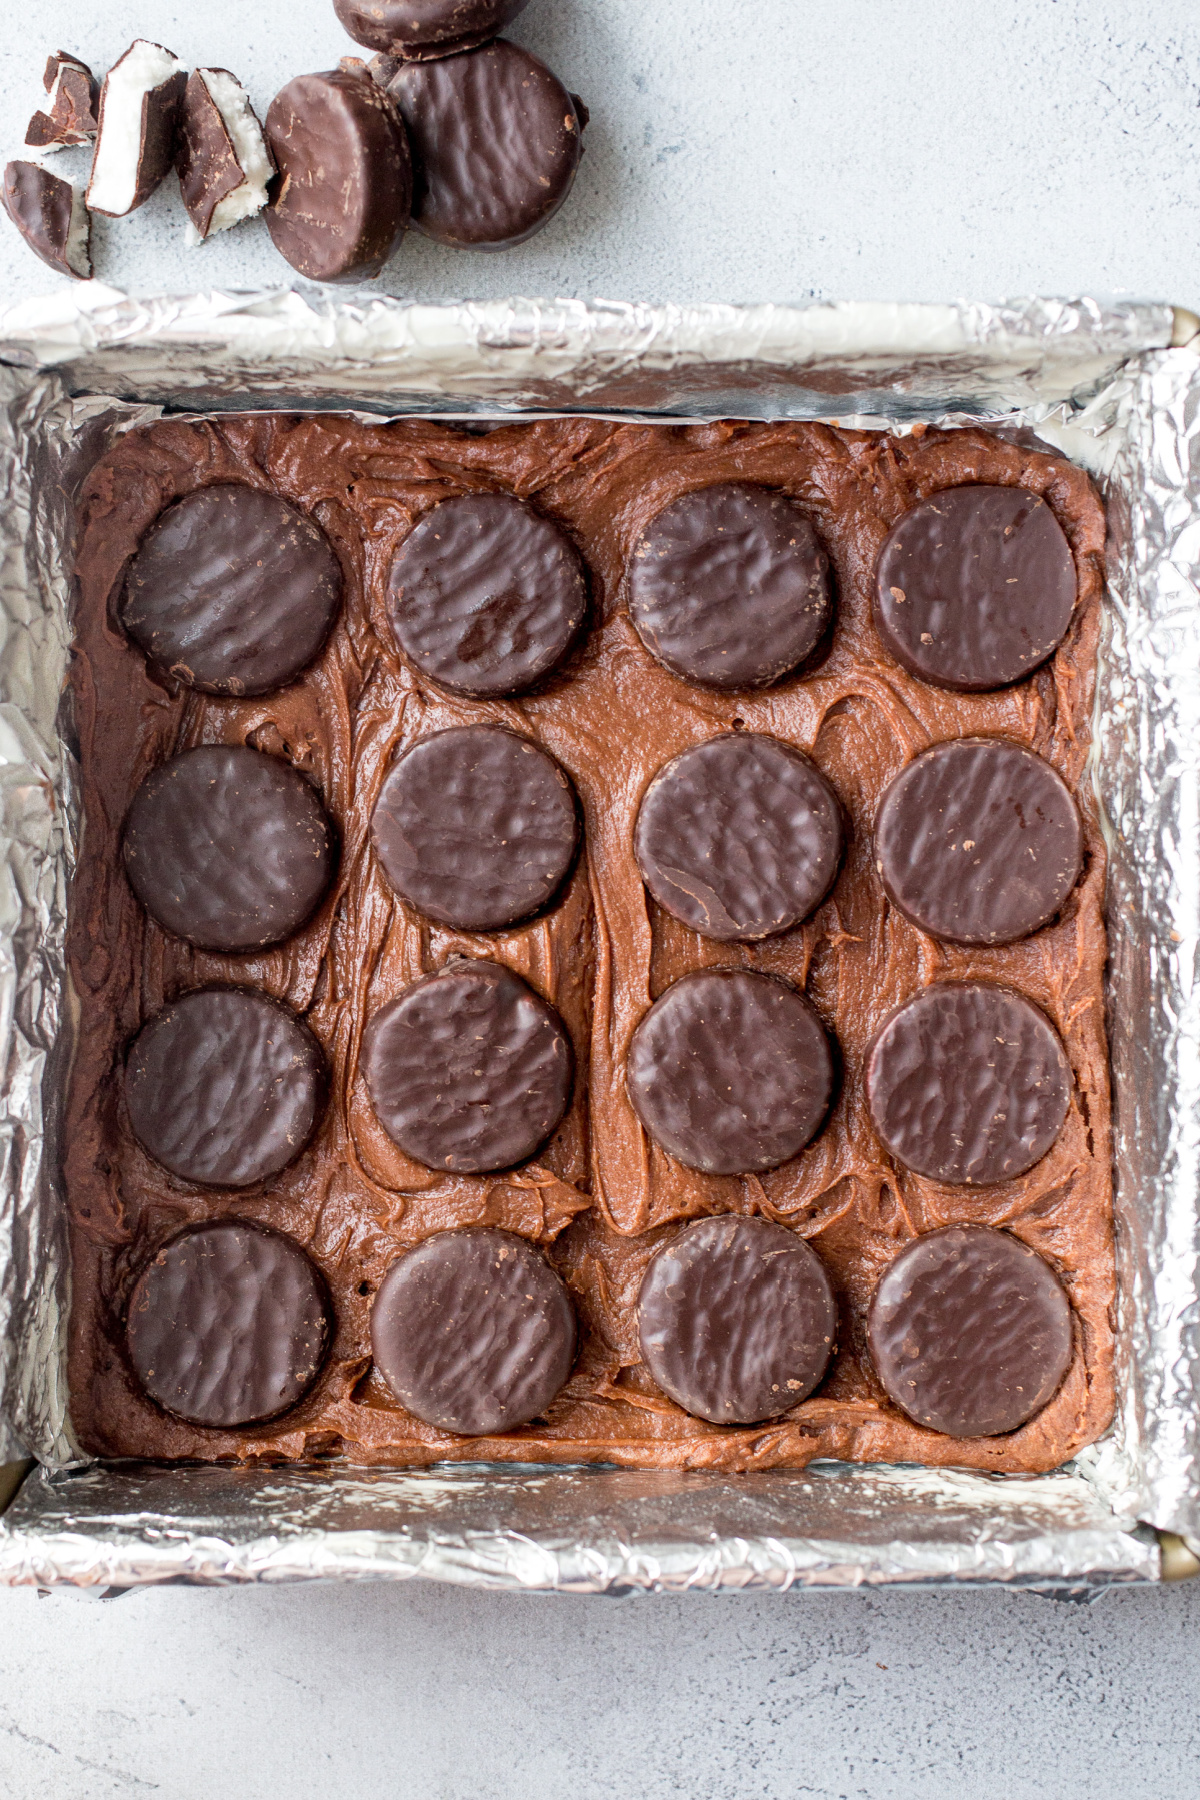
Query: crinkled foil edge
{"points": [[1099, 383]]}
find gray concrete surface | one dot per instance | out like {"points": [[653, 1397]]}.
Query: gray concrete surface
{"points": [[748, 150], [426, 1693]]}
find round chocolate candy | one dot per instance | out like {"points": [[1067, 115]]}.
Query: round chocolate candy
{"points": [[729, 586], [228, 1325], [737, 1319], [468, 1069], [421, 29], [473, 1331], [476, 827], [224, 1087], [968, 1083], [975, 587], [739, 837], [232, 590], [340, 202], [496, 140], [978, 841], [228, 848], [970, 1331], [486, 595], [731, 1071]]}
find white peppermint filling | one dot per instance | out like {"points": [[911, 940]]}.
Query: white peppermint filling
{"points": [[144, 66], [250, 148]]}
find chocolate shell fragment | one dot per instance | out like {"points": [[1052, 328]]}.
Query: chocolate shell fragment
{"points": [[729, 586], [421, 29], [51, 216], [473, 1331], [496, 140], [737, 1319], [228, 1325], [232, 591], [139, 118], [968, 1083], [975, 587], [224, 1087], [469, 1069], [731, 1071], [222, 158], [978, 841], [486, 595], [72, 118], [341, 200], [739, 838], [228, 848], [970, 1331], [476, 827]]}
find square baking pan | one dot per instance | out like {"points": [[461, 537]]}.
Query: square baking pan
{"points": [[1114, 387]]}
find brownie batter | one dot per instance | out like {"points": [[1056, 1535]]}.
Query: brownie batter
{"points": [[600, 1198]]}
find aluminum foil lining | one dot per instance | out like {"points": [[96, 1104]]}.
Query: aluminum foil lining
{"points": [[313, 349], [1100, 384], [572, 1530]]}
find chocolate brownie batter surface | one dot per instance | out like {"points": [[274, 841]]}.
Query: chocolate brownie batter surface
{"points": [[601, 1197]]}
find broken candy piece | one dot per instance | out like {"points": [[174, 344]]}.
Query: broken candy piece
{"points": [[139, 115], [222, 157], [422, 30], [50, 215], [344, 189], [70, 119]]}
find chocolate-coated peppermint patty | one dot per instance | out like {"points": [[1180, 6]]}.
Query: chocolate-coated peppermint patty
{"points": [[228, 1325], [737, 1319], [468, 1069], [496, 140], [486, 595], [731, 1071], [968, 1083], [232, 590], [729, 586], [473, 1331], [422, 29], [476, 827], [224, 1087], [978, 841], [970, 1331], [739, 837], [975, 587], [228, 848], [340, 204]]}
